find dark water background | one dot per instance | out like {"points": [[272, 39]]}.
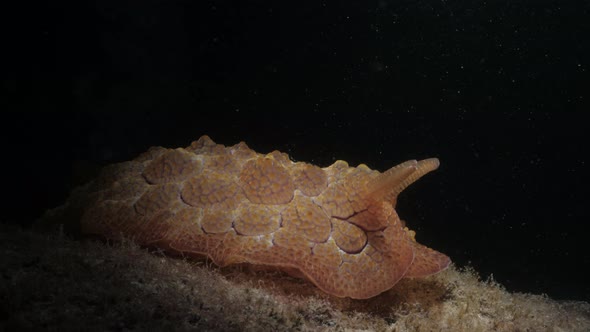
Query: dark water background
{"points": [[499, 91]]}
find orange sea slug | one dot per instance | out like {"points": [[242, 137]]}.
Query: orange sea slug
{"points": [[337, 225]]}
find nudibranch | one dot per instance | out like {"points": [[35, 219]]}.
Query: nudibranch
{"points": [[337, 226]]}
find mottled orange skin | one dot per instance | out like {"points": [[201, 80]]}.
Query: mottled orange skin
{"points": [[337, 225]]}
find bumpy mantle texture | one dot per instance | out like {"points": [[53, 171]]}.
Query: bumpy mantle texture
{"points": [[336, 226]]}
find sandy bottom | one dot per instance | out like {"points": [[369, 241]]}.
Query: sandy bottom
{"points": [[52, 282]]}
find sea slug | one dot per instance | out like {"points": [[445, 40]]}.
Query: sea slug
{"points": [[336, 226]]}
